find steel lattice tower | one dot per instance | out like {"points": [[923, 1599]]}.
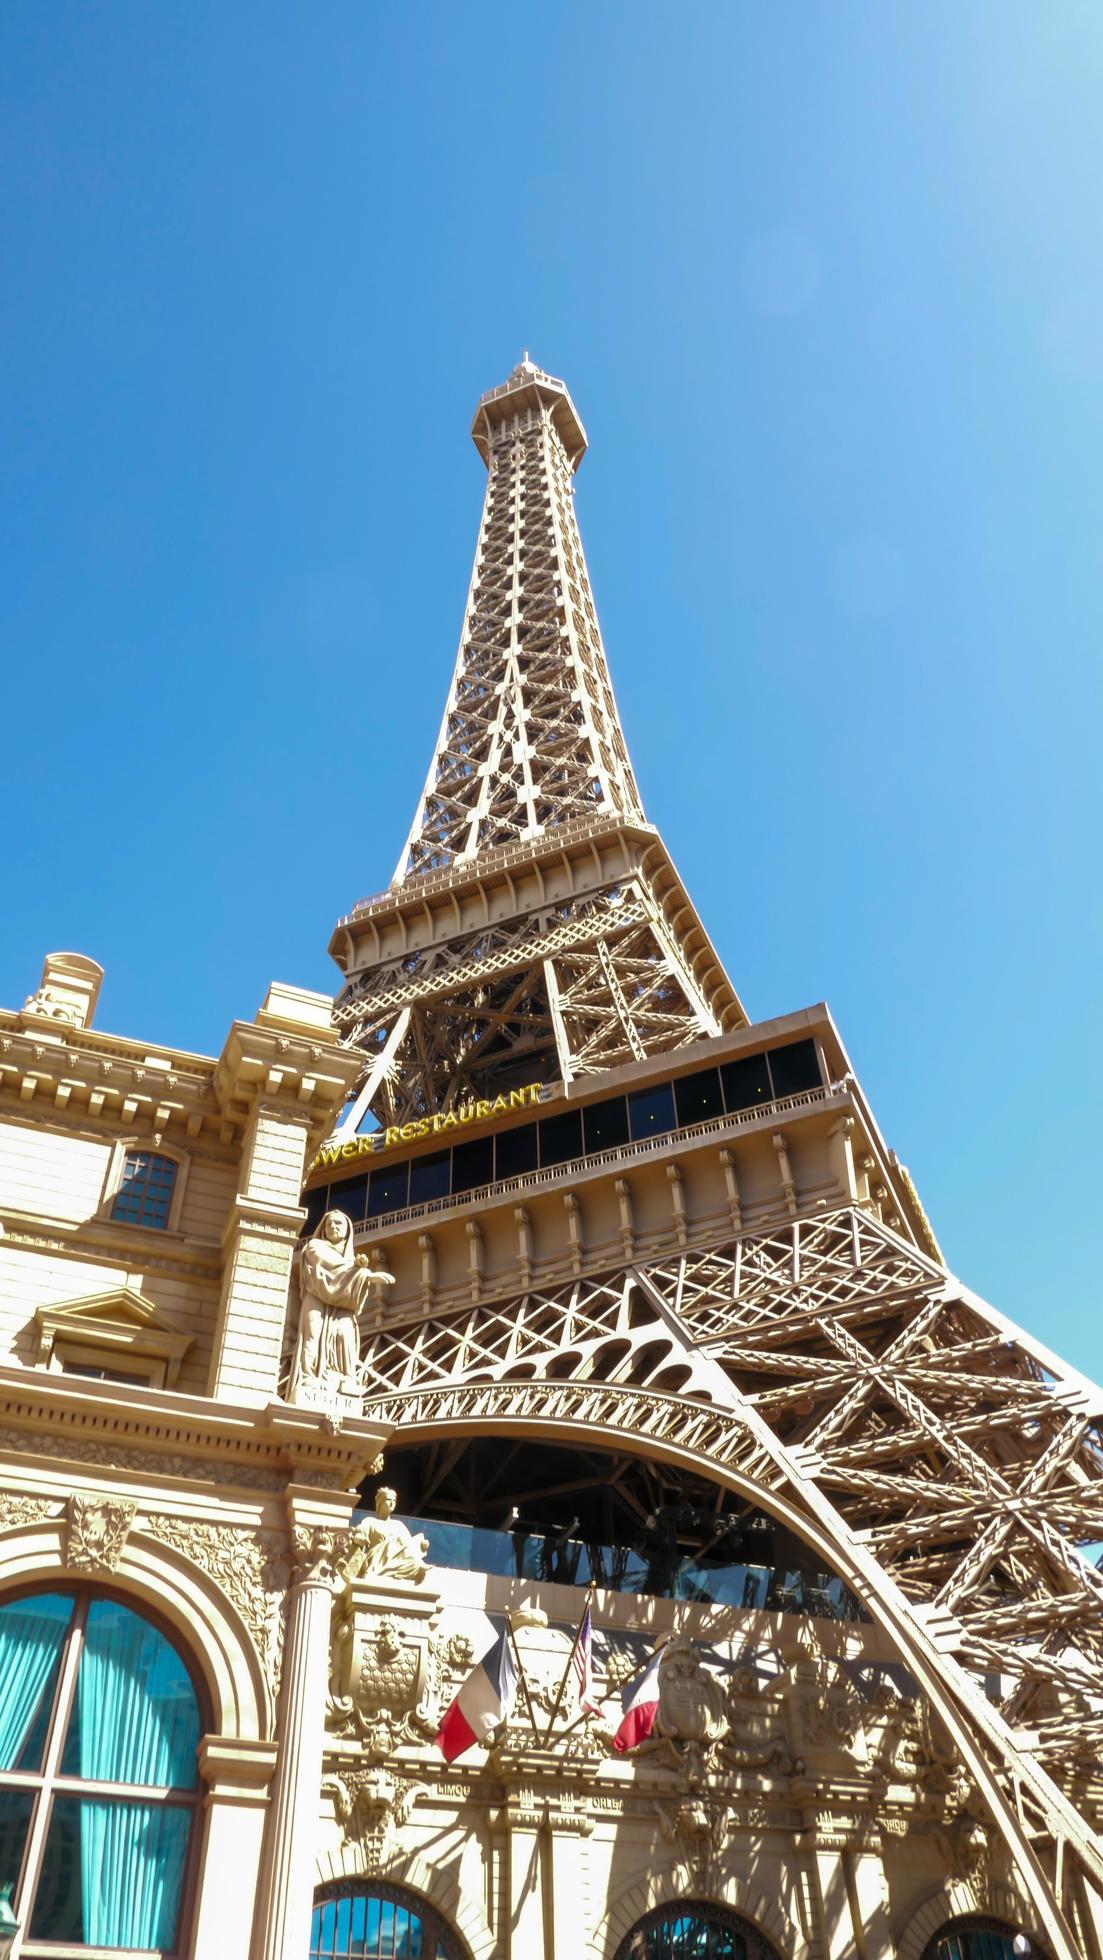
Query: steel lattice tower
{"points": [[758, 1293]]}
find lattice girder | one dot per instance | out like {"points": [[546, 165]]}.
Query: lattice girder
{"points": [[530, 735], [955, 1456]]}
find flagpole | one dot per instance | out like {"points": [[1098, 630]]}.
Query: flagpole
{"points": [[522, 1676], [586, 1605]]}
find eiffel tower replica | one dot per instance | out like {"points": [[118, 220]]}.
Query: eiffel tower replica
{"points": [[621, 1216]]}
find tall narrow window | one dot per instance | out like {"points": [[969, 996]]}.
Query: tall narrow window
{"points": [[99, 1727], [144, 1196]]}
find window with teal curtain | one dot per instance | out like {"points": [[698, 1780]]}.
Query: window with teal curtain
{"points": [[32, 1633], [98, 1707]]}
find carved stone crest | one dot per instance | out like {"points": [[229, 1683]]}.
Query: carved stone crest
{"points": [[98, 1530], [386, 1671]]}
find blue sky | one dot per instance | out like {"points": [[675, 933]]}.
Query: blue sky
{"points": [[826, 282]]}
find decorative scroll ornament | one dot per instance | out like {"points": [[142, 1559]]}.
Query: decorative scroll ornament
{"points": [[98, 1530]]}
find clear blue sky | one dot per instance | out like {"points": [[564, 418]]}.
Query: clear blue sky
{"points": [[826, 281]]}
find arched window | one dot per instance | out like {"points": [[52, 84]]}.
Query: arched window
{"points": [[99, 1727], [695, 1930], [355, 1920], [978, 1938], [144, 1196]]}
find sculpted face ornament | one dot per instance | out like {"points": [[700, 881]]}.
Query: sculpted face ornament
{"points": [[336, 1284]]}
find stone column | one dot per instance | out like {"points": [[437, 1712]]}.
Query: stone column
{"points": [[287, 1875], [872, 1926], [568, 1879], [527, 1930], [237, 1773], [851, 1897]]}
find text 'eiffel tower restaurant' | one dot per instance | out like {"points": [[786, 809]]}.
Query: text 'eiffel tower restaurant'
{"points": [[495, 1463]]}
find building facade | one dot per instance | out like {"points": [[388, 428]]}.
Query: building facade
{"points": [[524, 1298]]}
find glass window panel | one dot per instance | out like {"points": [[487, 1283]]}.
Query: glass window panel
{"points": [[515, 1151], [561, 1138], [350, 1195], [698, 1096], [32, 1633], [145, 1190], [317, 1204], [112, 1873], [15, 1817], [651, 1111], [389, 1190], [473, 1164], [430, 1177], [606, 1124], [794, 1068], [746, 1082], [135, 1719]]}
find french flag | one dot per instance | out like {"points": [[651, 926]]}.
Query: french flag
{"points": [[484, 1700], [640, 1705]]}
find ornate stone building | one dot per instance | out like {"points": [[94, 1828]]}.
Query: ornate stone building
{"points": [[527, 1276]]}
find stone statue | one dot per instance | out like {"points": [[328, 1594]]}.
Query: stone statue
{"points": [[335, 1283], [385, 1548]]}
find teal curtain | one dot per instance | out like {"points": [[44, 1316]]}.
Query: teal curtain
{"points": [[138, 1723], [132, 1863], [31, 1636]]}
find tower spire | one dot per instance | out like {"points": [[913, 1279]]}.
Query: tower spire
{"points": [[535, 929], [531, 739]]}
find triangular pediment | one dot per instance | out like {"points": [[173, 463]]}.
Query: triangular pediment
{"points": [[120, 1306], [101, 1327]]}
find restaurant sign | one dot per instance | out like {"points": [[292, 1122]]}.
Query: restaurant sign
{"points": [[440, 1123]]}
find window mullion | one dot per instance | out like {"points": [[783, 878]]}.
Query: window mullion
{"points": [[59, 1727]]}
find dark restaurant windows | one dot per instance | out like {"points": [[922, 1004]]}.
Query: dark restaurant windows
{"points": [[354, 1198], [651, 1111], [473, 1164], [606, 1124], [746, 1082], [429, 1177], [516, 1151], [698, 1096], [561, 1138], [795, 1068], [388, 1190]]}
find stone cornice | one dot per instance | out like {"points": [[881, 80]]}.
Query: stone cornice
{"points": [[289, 1054], [69, 1413]]}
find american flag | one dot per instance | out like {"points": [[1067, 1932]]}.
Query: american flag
{"points": [[583, 1666]]}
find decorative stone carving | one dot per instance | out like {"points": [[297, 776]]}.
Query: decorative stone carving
{"points": [[829, 1703], [47, 1003], [371, 1804], [698, 1826], [384, 1547], [387, 1672], [20, 1507], [335, 1284], [252, 1569], [98, 1529], [320, 1553]]}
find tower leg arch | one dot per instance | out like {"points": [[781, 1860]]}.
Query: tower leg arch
{"points": [[732, 1448]]}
